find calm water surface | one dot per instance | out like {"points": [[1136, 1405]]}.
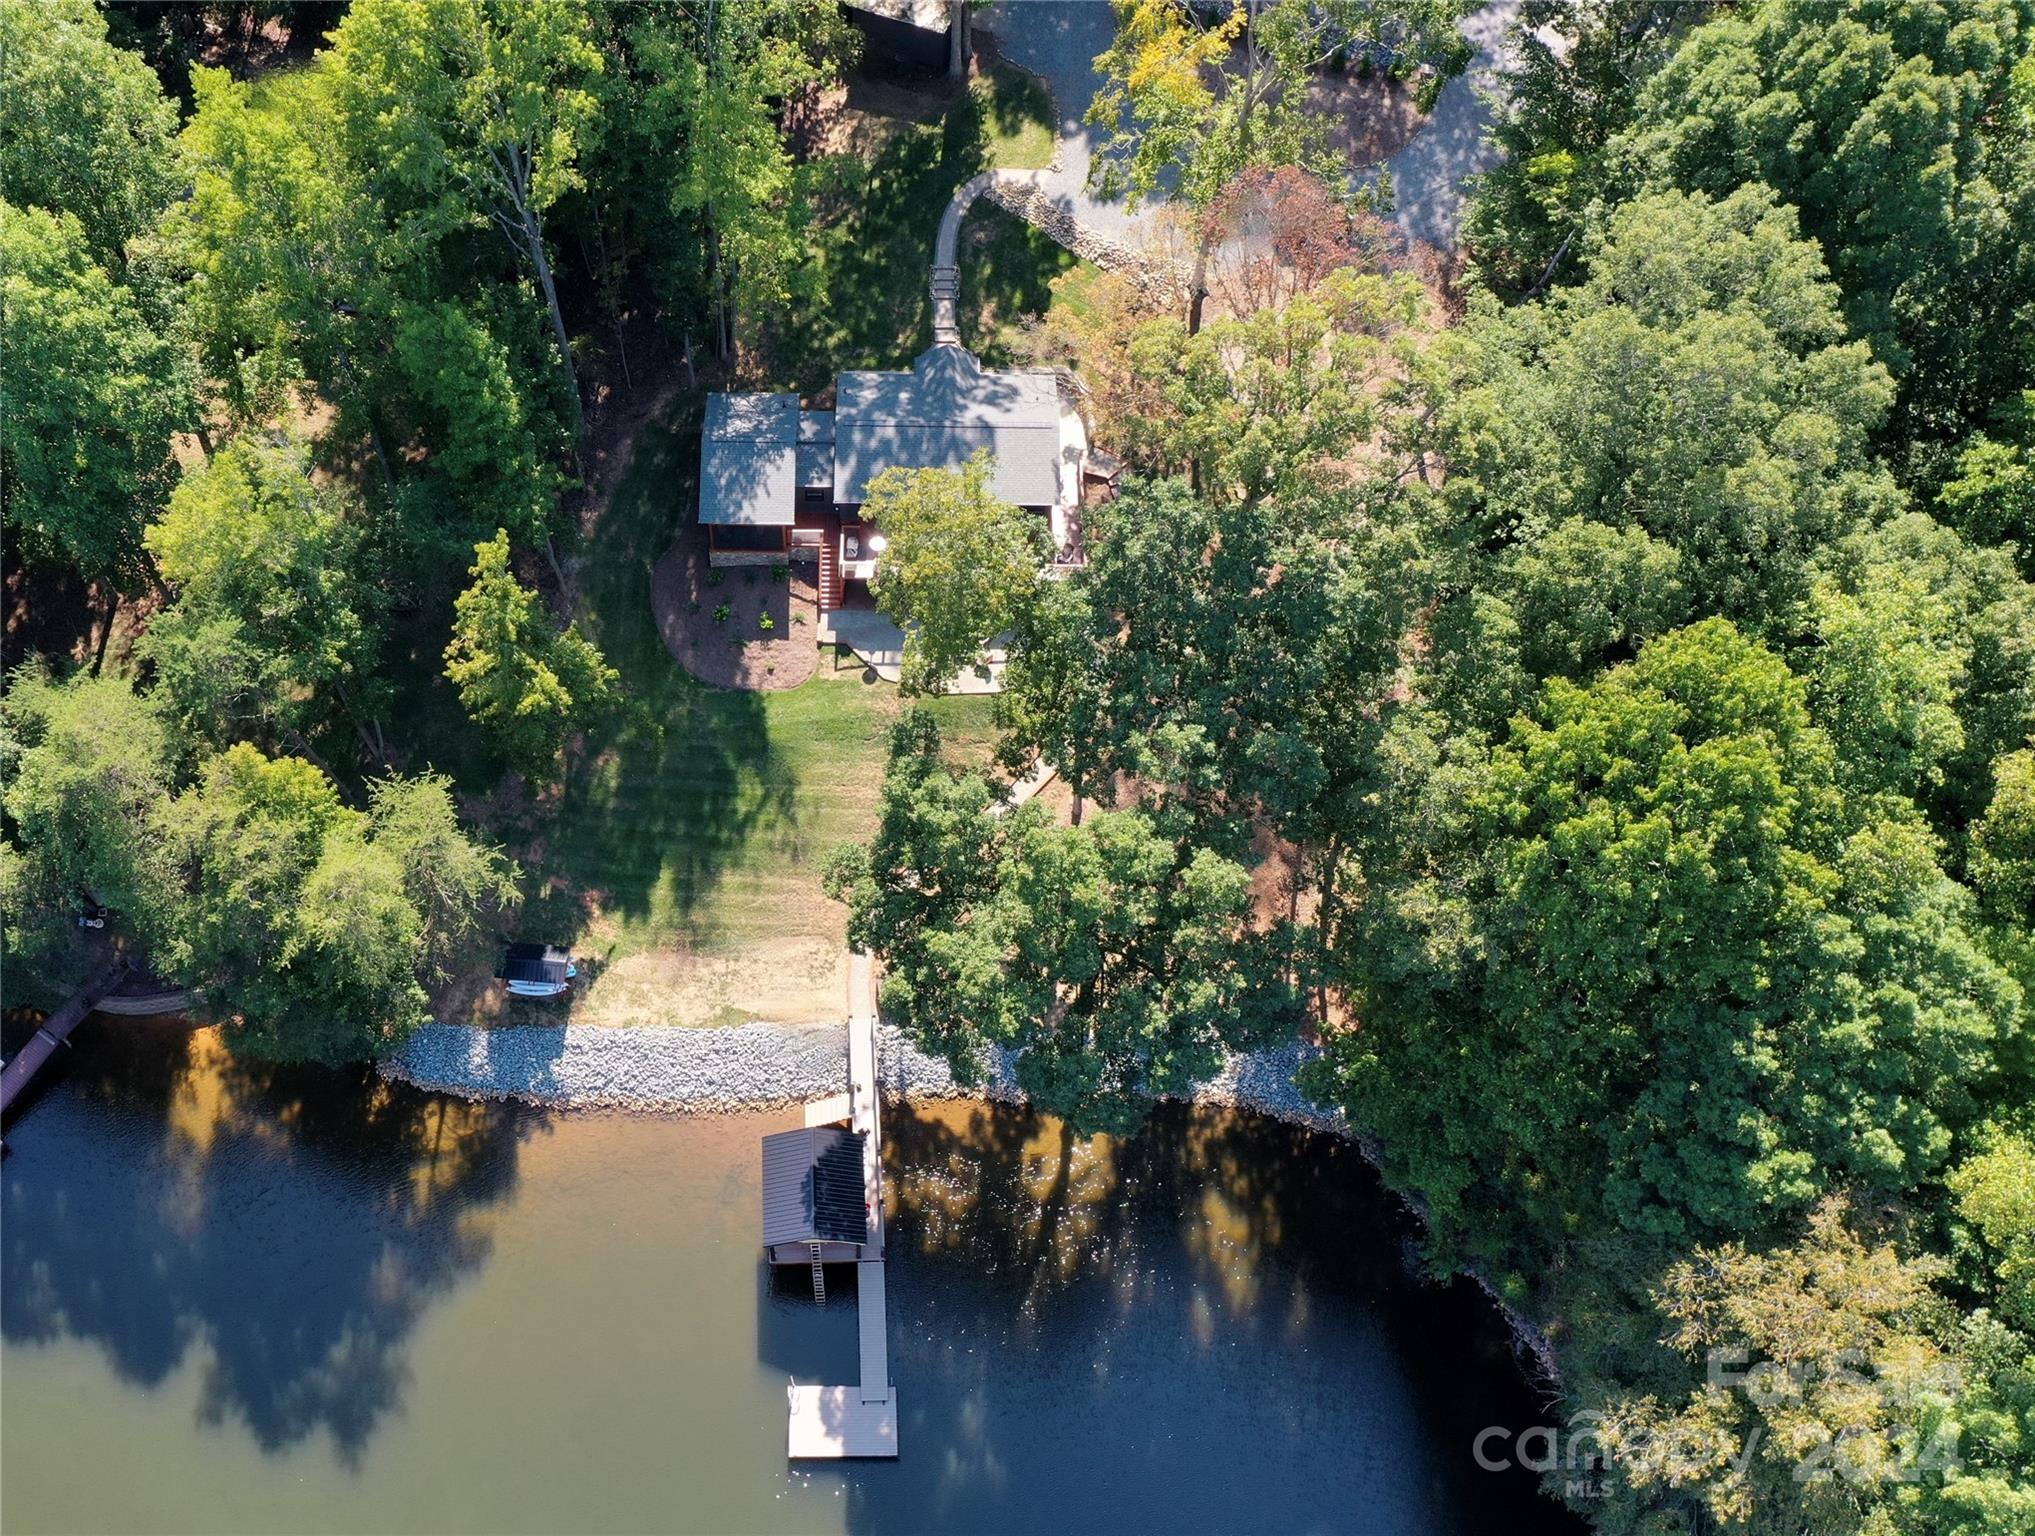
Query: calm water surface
{"points": [[235, 1299]]}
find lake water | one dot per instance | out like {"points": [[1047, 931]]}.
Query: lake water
{"points": [[237, 1299]]}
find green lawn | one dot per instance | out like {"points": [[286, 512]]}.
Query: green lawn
{"points": [[1016, 113], [1011, 272], [683, 854]]}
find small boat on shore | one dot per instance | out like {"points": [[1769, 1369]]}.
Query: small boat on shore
{"points": [[536, 970]]}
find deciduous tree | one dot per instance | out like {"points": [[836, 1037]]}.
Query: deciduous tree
{"points": [[84, 127], [86, 762], [958, 565], [1697, 386], [274, 622], [525, 681], [1645, 963], [93, 395], [473, 114], [450, 879], [305, 924], [1902, 134], [1828, 1389], [713, 77], [1116, 958]]}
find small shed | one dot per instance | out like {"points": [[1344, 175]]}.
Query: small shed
{"points": [[812, 1193]]}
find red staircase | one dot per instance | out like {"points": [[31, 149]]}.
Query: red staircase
{"points": [[830, 575]]}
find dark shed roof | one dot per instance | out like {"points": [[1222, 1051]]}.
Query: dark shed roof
{"points": [[812, 1187]]}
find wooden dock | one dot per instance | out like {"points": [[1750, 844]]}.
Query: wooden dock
{"points": [[56, 1031], [834, 1422]]}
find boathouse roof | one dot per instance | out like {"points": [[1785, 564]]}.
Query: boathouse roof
{"points": [[812, 1187]]}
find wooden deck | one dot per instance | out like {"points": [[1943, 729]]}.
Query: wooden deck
{"points": [[833, 1422], [873, 1327]]}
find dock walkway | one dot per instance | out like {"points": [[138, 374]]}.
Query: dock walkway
{"points": [[833, 1422], [56, 1031]]}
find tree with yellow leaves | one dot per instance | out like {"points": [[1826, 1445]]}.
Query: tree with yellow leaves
{"points": [[1193, 99]]}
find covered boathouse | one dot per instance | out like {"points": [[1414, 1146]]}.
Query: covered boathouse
{"points": [[814, 1201]]}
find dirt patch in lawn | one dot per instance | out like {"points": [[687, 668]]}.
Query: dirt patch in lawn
{"points": [[742, 630], [779, 978], [1368, 120]]}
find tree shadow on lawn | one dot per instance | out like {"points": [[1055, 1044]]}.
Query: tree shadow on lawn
{"points": [[874, 240], [650, 825], [670, 793], [1007, 272]]}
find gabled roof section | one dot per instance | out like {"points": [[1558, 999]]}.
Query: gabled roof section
{"points": [[749, 460], [812, 1187], [939, 415], [815, 448]]}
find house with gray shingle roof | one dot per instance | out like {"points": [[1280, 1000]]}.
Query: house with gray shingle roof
{"points": [[781, 482]]}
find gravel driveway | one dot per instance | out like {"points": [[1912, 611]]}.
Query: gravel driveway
{"points": [[1428, 174], [1059, 39]]}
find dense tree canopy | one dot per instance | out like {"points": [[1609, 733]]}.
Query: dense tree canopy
{"points": [[1902, 135], [1118, 959], [450, 879], [1696, 386], [293, 924], [85, 762], [472, 114], [84, 127], [92, 396], [1644, 962], [1575, 70], [274, 612]]}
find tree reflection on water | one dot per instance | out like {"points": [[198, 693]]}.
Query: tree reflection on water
{"points": [[157, 1206], [1027, 1200], [1080, 1321]]}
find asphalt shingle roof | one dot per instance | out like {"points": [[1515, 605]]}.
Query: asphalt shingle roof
{"points": [[757, 450], [942, 412], [749, 460]]}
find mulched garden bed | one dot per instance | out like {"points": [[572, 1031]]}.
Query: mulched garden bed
{"points": [[716, 630]]}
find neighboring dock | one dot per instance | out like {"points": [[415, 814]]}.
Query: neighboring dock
{"points": [[834, 1422], [56, 1031]]}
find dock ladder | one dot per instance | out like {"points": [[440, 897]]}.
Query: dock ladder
{"points": [[819, 1276]]}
